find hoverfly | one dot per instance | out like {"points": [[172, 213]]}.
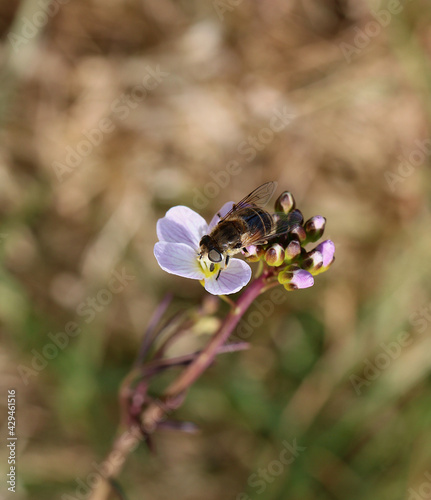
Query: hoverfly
{"points": [[247, 223]]}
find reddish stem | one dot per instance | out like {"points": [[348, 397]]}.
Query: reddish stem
{"points": [[207, 356], [174, 394]]}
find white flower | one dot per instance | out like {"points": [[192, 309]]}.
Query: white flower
{"points": [[177, 251]]}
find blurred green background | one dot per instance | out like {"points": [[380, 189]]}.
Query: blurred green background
{"points": [[114, 111]]}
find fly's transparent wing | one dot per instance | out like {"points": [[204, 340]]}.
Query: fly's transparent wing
{"points": [[257, 198]]}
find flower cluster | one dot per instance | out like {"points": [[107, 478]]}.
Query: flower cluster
{"points": [[285, 257], [294, 266]]}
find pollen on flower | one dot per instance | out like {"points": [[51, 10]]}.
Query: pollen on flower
{"points": [[209, 269]]}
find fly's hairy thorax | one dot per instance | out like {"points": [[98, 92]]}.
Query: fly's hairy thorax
{"points": [[227, 234]]}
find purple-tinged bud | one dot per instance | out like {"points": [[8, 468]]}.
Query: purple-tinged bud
{"points": [[327, 249], [314, 228], [286, 275], [299, 233], [295, 279], [253, 253], [301, 279], [313, 261], [285, 202], [293, 249], [249, 251], [274, 256]]}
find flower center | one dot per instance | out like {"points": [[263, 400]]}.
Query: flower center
{"points": [[209, 268]]}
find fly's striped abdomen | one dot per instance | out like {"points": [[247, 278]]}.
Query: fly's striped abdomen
{"points": [[258, 221]]}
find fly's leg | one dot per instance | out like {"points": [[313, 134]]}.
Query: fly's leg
{"points": [[218, 274]]}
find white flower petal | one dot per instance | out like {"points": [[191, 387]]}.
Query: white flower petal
{"points": [[223, 211], [182, 225], [231, 280], [179, 259]]}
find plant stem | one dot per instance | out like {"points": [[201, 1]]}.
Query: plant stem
{"points": [[174, 394], [154, 412], [206, 357]]}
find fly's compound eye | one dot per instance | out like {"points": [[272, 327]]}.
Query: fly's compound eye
{"points": [[214, 255]]}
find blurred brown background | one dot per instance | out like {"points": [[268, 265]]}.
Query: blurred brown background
{"points": [[111, 113]]}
